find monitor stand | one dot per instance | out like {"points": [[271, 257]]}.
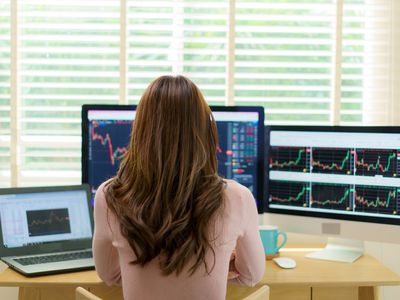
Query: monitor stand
{"points": [[342, 250]]}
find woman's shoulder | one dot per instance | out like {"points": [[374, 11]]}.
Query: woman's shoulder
{"points": [[99, 198], [233, 185], [237, 193]]}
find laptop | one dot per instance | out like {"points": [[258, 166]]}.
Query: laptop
{"points": [[46, 230]]}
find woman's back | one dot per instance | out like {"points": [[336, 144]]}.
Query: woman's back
{"points": [[167, 223], [236, 227]]}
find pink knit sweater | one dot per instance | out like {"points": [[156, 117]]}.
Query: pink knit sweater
{"points": [[237, 229]]}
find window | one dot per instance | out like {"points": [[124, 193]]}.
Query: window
{"points": [[305, 61], [284, 59], [314, 62], [69, 56], [189, 37], [5, 82]]}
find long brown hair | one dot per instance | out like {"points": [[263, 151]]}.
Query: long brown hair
{"points": [[167, 189]]}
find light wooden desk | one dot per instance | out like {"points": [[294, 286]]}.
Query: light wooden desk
{"points": [[311, 279], [322, 280]]}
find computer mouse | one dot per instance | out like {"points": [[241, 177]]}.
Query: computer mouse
{"points": [[285, 262]]}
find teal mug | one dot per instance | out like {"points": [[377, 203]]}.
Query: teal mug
{"points": [[269, 236]]}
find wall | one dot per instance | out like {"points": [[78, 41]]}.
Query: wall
{"points": [[388, 254]]}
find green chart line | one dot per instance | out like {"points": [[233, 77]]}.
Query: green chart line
{"points": [[340, 201], [333, 165], [289, 163], [290, 199], [378, 164], [377, 202]]}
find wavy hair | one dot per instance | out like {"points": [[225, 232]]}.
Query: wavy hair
{"points": [[167, 190]]}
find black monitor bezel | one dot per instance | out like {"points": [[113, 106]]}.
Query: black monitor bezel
{"points": [[356, 129], [260, 150]]}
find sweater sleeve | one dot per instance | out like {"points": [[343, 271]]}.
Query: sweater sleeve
{"points": [[250, 258], [104, 253]]}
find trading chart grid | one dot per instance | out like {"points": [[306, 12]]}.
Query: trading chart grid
{"points": [[353, 173]]}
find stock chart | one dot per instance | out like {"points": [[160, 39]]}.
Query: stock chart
{"points": [[332, 196], [107, 144], [289, 193], [335, 179], [332, 161], [373, 162], [373, 199], [236, 153], [47, 222], [290, 159]]}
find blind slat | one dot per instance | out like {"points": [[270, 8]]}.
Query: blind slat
{"points": [[284, 60]]}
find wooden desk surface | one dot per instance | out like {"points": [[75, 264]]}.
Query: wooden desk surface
{"points": [[9, 277], [366, 271]]}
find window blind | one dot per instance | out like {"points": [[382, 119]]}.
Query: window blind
{"points": [[367, 62], [284, 58], [178, 37], [286, 54], [307, 62], [5, 93], [69, 56]]}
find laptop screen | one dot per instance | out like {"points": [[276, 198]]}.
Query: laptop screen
{"points": [[42, 217]]}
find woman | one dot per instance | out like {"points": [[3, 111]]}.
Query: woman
{"points": [[166, 225]]}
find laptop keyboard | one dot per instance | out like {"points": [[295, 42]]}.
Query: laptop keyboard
{"points": [[34, 260]]}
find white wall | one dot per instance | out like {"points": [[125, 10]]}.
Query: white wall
{"points": [[388, 254]]}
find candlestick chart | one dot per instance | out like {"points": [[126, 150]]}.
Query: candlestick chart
{"points": [[377, 162], [292, 159], [332, 196], [290, 193], [332, 161], [376, 199]]}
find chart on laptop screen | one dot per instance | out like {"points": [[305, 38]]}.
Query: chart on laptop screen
{"points": [[352, 173], [109, 134], [36, 218]]}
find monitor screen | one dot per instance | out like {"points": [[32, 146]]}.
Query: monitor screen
{"points": [[106, 133], [350, 173]]}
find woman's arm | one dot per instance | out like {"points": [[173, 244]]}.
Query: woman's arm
{"points": [[249, 259], [105, 254]]}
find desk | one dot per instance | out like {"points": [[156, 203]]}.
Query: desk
{"points": [[322, 280], [311, 279]]}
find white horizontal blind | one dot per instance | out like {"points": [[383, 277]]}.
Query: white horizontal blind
{"points": [[72, 52], [5, 93], [178, 37], [367, 62], [285, 58], [69, 56], [286, 53]]}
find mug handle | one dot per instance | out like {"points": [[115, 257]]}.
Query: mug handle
{"points": [[284, 239]]}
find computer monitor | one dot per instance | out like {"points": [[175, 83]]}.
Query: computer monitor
{"points": [[335, 181], [106, 133]]}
